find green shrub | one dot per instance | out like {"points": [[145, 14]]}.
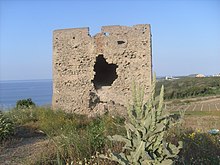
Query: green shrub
{"points": [[145, 141], [200, 148], [96, 134], [6, 127], [25, 104]]}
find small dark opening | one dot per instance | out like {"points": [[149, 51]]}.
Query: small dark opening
{"points": [[106, 34], [120, 42], [105, 73]]}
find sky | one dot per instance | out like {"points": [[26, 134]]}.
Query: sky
{"points": [[185, 33]]}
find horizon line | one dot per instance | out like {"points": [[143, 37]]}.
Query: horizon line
{"points": [[22, 80]]}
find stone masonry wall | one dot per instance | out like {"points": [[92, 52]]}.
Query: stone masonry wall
{"points": [[95, 74]]}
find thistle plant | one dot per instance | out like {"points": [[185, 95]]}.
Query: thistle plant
{"points": [[145, 142]]}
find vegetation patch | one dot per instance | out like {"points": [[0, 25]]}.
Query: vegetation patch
{"points": [[198, 147], [146, 128], [190, 87], [145, 136], [6, 127], [25, 103]]}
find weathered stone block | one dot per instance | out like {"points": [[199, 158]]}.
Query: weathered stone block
{"points": [[92, 72]]}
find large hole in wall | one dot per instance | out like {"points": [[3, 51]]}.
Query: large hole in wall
{"points": [[105, 74]]}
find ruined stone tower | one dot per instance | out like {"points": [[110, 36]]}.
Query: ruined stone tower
{"points": [[95, 74]]}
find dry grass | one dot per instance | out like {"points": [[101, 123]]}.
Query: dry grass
{"points": [[203, 115], [203, 123]]}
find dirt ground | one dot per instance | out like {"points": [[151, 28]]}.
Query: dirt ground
{"points": [[201, 113], [26, 145]]}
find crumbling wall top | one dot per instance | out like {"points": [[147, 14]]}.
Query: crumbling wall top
{"points": [[117, 29]]}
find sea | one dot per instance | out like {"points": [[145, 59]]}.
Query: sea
{"points": [[40, 91]]}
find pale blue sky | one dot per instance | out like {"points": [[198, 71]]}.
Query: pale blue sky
{"points": [[185, 34]]}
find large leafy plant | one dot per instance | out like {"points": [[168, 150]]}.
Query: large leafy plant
{"points": [[146, 127]]}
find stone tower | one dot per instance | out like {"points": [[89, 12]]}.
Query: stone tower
{"points": [[95, 74]]}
